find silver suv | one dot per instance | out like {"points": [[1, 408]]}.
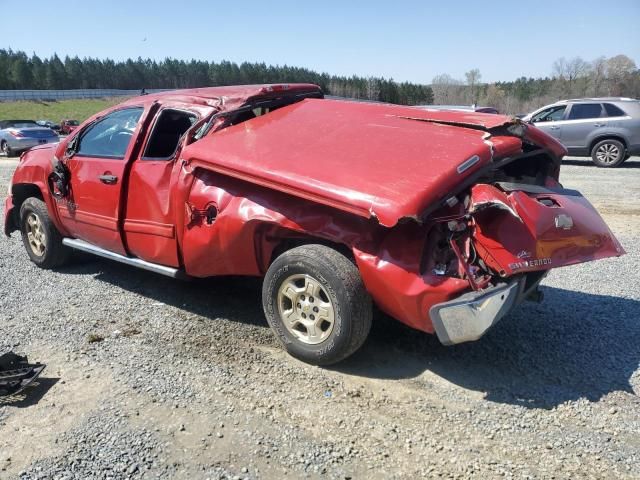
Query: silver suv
{"points": [[608, 129]]}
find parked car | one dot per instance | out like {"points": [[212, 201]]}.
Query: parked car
{"points": [[49, 124], [460, 108], [445, 220], [16, 136], [607, 129], [68, 126]]}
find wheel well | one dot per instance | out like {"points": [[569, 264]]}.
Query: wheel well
{"points": [[20, 192], [289, 243], [607, 137]]}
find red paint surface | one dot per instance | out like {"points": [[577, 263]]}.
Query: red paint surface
{"points": [[366, 159], [355, 175]]}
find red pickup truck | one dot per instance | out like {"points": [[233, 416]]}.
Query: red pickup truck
{"points": [[445, 220]]}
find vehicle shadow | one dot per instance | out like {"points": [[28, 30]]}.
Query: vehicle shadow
{"points": [[574, 345], [633, 162], [235, 298]]}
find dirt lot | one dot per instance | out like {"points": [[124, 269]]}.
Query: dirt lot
{"points": [[189, 382]]}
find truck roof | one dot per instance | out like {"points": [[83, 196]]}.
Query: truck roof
{"points": [[228, 97]]}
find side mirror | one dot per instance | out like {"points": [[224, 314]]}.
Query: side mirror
{"points": [[61, 148]]}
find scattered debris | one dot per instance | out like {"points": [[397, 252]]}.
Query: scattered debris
{"points": [[16, 373]]}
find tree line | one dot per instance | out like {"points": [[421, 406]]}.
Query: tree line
{"points": [[616, 76], [569, 78], [20, 71]]}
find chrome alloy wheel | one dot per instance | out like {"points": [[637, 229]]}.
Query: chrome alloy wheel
{"points": [[35, 234], [608, 153], [305, 308]]}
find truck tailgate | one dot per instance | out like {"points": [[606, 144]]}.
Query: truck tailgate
{"points": [[522, 228]]}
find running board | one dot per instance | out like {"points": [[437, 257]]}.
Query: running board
{"points": [[136, 262]]}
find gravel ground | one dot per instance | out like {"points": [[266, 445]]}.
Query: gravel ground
{"points": [[188, 381]]}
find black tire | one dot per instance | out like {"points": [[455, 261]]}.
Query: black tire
{"points": [[6, 149], [341, 287], [54, 253], [608, 153]]}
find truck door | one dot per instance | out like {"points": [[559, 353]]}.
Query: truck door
{"points": [[96, 158], [149, 224]]}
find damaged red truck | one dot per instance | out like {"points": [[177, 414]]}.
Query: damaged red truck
{"points": [[444, 220]]}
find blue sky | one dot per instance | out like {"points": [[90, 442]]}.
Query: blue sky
{"points": [[406, 40]]}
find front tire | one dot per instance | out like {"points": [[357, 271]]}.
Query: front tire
{"points": [[40, 237], [316, 303], [6, 149], [608, 153]]}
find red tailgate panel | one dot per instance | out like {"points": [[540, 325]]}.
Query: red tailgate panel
{"points": [[520, 231]]}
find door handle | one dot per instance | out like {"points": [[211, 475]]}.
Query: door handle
{"points": [[599, 124], [108, 179], [554, 127]]}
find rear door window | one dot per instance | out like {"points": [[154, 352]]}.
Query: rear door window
{"points": [[169, 128], [613, 111], [581, 111]]}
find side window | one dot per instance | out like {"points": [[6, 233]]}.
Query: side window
{"points": [[613, 111], [169, 128], [110, 136], [552, 114], [580, 111]]}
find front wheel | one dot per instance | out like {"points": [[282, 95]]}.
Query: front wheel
{"points": [[6, 149], [608, 153], [316, 303], [41, 238]]}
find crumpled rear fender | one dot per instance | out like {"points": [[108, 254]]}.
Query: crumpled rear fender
{"points": [[251, 222], [249, 218], [392, 275]]}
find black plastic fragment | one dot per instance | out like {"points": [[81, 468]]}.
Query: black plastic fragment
{"points": [[16, 373]]}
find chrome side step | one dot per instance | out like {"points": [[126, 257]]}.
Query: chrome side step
{"points": [[136, 262]]}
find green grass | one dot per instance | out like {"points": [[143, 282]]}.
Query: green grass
{"points": [[79, 109]]}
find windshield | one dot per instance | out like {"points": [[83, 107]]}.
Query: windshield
{"points": [[551, 114]]}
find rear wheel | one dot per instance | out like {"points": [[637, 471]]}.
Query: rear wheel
{"points": [[316, 303], [608, 153], [41, 238]]}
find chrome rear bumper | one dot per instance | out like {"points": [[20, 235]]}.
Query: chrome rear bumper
{"points": [[469, 316]]}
